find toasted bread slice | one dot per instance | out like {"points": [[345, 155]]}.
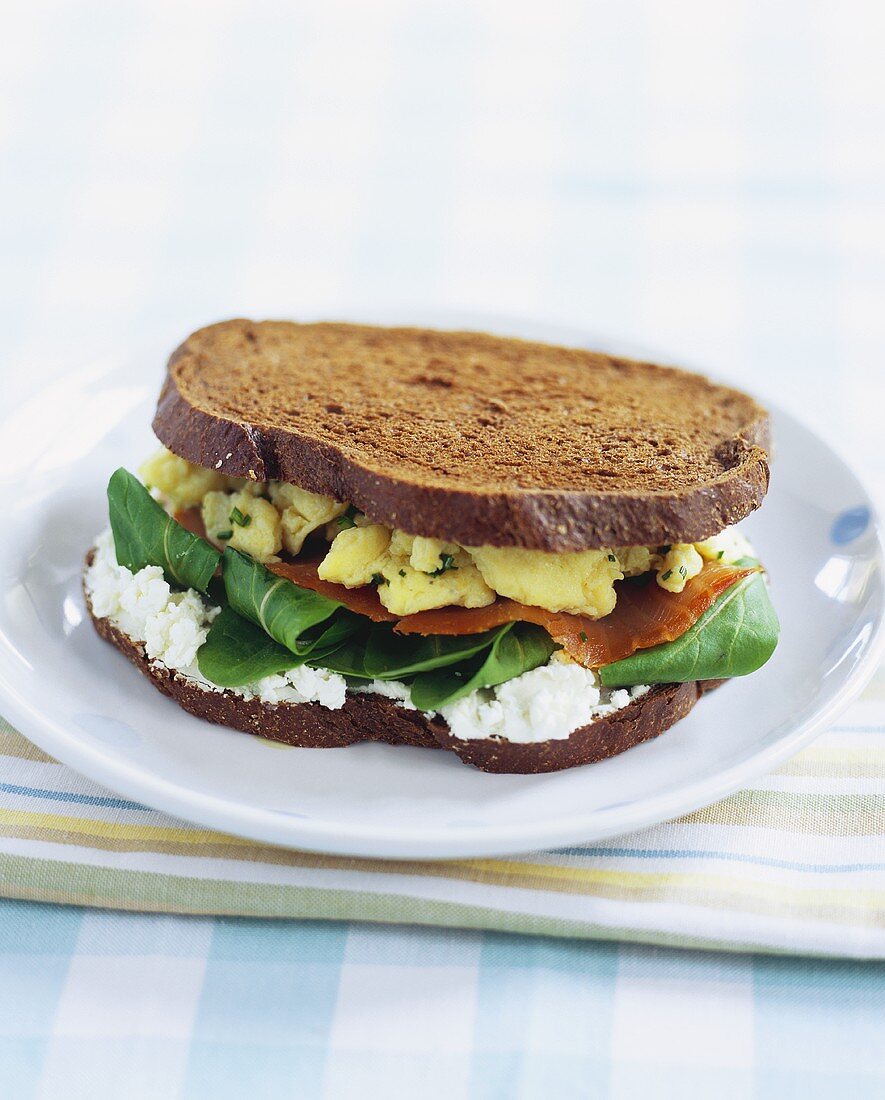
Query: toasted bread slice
{"points": [[467, 437], [367, 717]]}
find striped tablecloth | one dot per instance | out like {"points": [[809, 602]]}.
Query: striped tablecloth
{"points": [[705, 179], [794, 864]]}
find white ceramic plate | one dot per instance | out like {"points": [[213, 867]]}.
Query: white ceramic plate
{"points": [[81, 701]]}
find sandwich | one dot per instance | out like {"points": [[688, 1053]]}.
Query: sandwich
{"points": [[525, 554]]}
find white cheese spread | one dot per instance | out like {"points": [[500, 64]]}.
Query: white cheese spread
{"points": [[545, 704], [390, 689]]}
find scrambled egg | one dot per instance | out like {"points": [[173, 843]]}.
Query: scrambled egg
{"points": [[302, 512], [181, 483], [581, 582], [411, 572], [729, 546], [356, 556], [427, 555], [677, 566], [246, 485], [634, 560], [244, 521], [258, 526], [414, 573]]}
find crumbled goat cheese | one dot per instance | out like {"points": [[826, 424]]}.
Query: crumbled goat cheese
{"points": [[303, 685], [173, 625], [547, 703], [390, 689]]}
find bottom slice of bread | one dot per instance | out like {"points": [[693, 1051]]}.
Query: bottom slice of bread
{"points": [[367, 717]]}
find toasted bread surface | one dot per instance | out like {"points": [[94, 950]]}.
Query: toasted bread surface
{"points": [[366, 717], [478, 439]]}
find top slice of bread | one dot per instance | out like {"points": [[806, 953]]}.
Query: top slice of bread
{"points": [[477, 439]]}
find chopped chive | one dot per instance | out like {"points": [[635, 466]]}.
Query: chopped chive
{"points": [[611, 557], [239, 518], [447, 561], [583, 636], [402, 572], [683, 571], [345, 520], [666, 576], [225, 535], [378, 578], [720, 555]]}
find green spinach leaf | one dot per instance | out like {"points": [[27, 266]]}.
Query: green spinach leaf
{"points": [[331, 634], [734, 637], [517, 648], [378, 653], [238, 652], [348, 659], [282, 609], [392, 656], [144, 534]]}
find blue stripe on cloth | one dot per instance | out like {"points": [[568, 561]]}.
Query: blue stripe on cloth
{"points": [[29, 928], [37, 943], [111, 802], [263, 941], [270, 987], [70, 796], [521, 988], [730, 857]]}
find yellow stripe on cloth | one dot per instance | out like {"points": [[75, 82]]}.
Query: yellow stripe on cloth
{"points": [[87, 826], [590, 880], [747, 892]]}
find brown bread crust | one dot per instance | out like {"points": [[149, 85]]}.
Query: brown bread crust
{"points": [[474, 438], [374, 718]]}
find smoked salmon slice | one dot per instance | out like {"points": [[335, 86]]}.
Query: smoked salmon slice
{"points": [[644, 616], [191, 520], [362, 600]]}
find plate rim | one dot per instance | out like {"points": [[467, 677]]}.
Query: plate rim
{"points": [[280, 829]]}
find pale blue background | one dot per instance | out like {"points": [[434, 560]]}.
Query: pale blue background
{"points": [[706, 179]]}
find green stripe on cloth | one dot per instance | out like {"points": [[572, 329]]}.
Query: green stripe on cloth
{"points": [[62, 883], [818, 812]]}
